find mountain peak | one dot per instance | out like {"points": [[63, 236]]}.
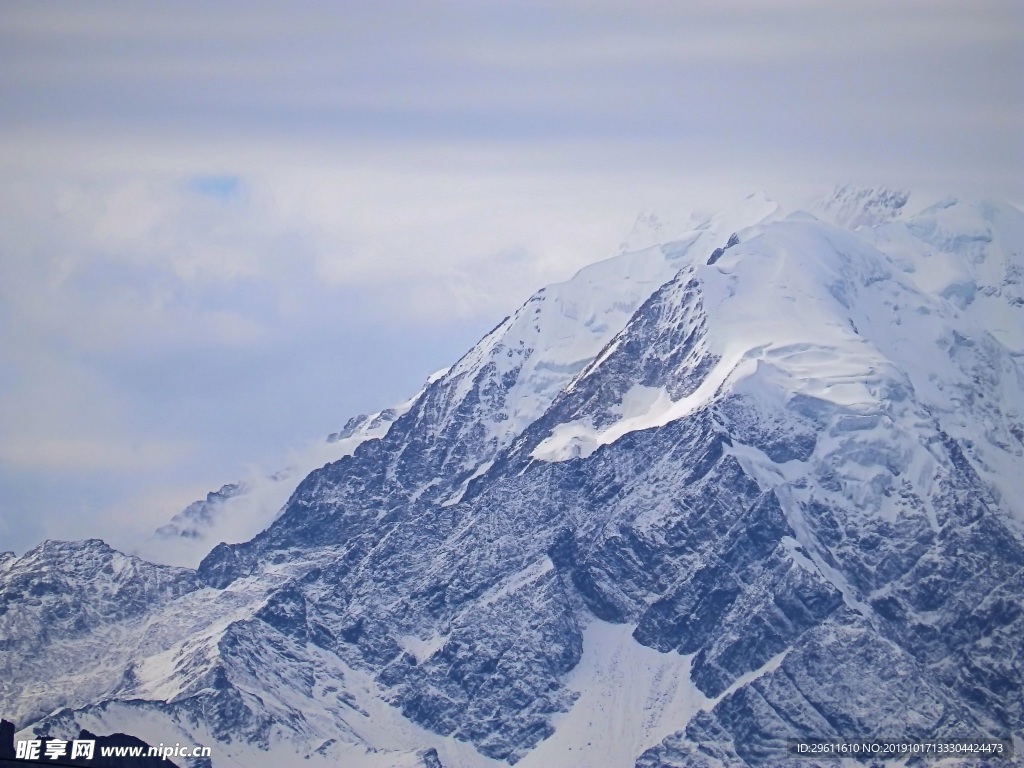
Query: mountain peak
{"points": [[851, 206]]}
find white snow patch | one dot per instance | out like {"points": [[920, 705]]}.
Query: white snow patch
{"points": [[641, 408], [422, 648], [436, 375], [630, 698]]}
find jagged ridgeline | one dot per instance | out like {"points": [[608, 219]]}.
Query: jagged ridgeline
{"points": [[760, 478]]}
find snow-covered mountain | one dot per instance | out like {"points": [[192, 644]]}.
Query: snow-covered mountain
{"points": [[758, 480], [489, 396]]}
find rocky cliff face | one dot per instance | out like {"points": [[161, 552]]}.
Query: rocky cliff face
{"points": [[761, 481]]}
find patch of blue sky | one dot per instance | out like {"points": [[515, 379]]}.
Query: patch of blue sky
{"points": [[221, 187]]}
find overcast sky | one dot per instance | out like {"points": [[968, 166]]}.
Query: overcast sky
{"points": [[226, 227]]}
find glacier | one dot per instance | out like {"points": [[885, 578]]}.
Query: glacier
{"points": [[753, 478]]}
